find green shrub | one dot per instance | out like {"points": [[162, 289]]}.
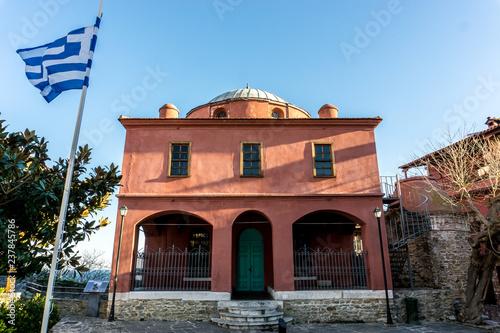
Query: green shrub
{"points": [[28, 315]]}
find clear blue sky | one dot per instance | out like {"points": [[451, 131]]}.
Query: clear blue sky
{"points": [[423, 66]]}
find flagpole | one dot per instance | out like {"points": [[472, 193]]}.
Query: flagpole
{"points": [[65, 199]]}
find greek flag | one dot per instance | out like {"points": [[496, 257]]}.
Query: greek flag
{"points": [[62, 64]]}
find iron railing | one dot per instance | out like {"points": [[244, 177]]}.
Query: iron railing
{"points": [[60, 291], [412, 222], [172, 269], [389, 185], [329, 269]]}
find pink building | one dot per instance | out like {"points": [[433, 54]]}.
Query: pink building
{"points": [[249, 197]]}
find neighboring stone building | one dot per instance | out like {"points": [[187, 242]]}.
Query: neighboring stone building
{"points": [[249, 198], [439, 257], [439, 253]]}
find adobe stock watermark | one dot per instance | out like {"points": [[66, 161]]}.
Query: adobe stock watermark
{"points": [[456, 116], [372, 29], [223, 6], [11, 277], [31, 25], [123, 104]]}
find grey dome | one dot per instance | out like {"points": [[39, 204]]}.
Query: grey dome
{"points": [[247, 93]]}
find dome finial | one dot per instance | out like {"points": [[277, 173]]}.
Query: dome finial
{"points": [[248, 87]]}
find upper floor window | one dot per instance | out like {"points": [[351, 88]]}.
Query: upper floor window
{"points": [[220, 113], [251, 159], [179, 159], [323, 161]]}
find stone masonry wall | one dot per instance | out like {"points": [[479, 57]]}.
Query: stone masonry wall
{"points": [[336, 310], [450, 252], [79, 307], [433, 304], [421, 266], [165, 309], [439, 259]]}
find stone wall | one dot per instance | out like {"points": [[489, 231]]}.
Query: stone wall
{"points": [[450, 251], [79, 307], [439, 259], [433, 304], [421, 266], [336, 310], [165, 309]]}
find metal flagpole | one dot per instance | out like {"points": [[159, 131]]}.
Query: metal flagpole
{"points": [[65, 199]]}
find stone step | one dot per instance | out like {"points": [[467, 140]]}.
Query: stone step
{"points": [[251, 310], [251, 318], [248, 326], [247, 304]]}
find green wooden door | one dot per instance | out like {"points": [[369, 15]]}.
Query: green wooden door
{"points": [[250, 261]]}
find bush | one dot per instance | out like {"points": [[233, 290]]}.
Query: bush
{"points": [[28, 315]]}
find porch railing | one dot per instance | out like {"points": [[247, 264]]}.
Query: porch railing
{"points": [[172, 269], [329, 269]]}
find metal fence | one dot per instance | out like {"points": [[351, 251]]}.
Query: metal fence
{"points": [[329, 269], [412, 222], [61, 291], [172, 269], [389, 185]]}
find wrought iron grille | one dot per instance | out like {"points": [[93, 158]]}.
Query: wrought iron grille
{"points": [[172, 269], [329, 269]]}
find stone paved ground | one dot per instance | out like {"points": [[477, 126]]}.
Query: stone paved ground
{"points": [[78, 324]]}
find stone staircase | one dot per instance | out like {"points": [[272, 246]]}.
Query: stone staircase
{"points": [[250, 315]]}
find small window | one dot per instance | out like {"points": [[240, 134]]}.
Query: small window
{"points": [[251, 159], [220, 113], [324, 163], [277, 114], [179, 159]]}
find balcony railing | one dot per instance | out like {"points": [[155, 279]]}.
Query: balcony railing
{"points": [[329, 269], [172, 269]]}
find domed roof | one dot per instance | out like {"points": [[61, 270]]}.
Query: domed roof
{"points": [[247, 93]]}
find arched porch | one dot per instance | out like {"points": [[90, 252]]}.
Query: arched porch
{"points": [[328, 252], [173, 252]]}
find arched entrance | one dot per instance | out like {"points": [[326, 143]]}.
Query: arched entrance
{"points": [[250, 261], [173, 252], [328, 252]]}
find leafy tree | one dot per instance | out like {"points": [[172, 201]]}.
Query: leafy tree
{"points": [[469, 173], [30, 198]]}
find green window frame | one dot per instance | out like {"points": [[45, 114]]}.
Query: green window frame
{"points": [[323, 159], [179, 161], [251, 159]]}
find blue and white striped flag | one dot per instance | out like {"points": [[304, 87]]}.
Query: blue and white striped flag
{"points": [[62, 64]]}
